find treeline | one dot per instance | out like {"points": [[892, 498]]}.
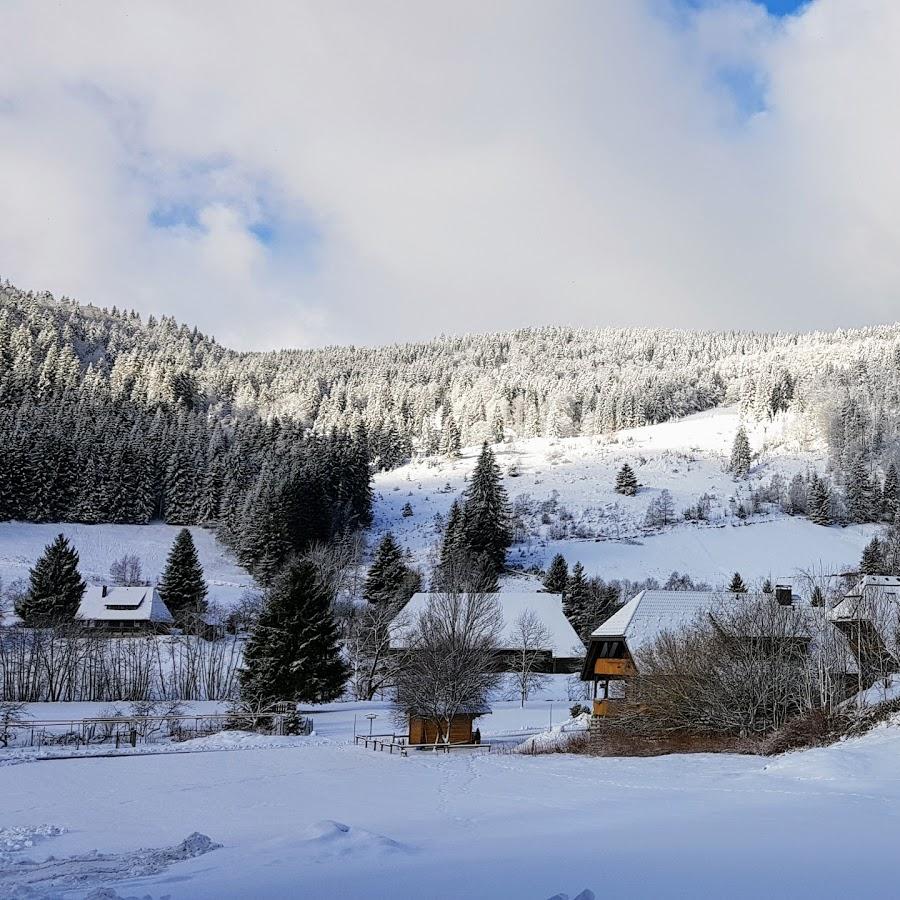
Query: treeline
{"points": [[430, 397]]}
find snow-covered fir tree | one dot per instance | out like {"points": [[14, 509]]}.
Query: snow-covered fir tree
{"points": [[293, 652], [739, 464], [55, 586], [557, 575], [182, 585], [626, 481]]}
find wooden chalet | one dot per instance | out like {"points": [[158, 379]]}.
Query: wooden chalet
{"points": [[613, 647], [867, 617], [121, 610]]}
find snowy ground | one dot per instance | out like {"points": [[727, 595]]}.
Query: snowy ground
{"points": [[567, 484], [21, 543], [321, 818]]}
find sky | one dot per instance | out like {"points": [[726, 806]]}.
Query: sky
{"points": [[301, 174]]}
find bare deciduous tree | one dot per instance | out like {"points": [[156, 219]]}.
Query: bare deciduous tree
{"points": [[368, 647], [126, 570], [529, 639], [742, 668], [449, 665]]}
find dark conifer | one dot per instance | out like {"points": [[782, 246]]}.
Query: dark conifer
{"points": [[557, 575], [576, 598], [182, 586], [736, 585], [872, 562], [293, 652], [55, 587], [486, 514], [626, 481]]}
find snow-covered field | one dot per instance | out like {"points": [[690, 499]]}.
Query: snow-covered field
{"points": [[569, 482], [319, 817], [21, 543]]}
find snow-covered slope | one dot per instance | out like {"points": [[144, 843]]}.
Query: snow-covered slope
{"points": [[21, 543], [321, 817], [563, 490]]}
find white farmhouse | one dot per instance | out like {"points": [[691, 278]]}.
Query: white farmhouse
{"points": [[123, 610], [564, 651]]}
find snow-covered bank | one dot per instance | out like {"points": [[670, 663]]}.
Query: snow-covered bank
{"points": [[330, 820]]}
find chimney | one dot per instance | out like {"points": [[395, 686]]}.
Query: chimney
{"points": [[103, 591], [783, 595]]}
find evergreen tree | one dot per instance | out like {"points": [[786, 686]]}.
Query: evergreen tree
{"points": [[626, 482], [740, 454], [55, 587], [862, 501], [182, 586], [890, 495], [819, 501], [736, 585], [767, 586], [293, 652], [576, 599], [486, 515], [557, 575], [390, 579], [872, 562]]}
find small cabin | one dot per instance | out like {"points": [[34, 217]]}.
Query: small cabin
{"points": [[119, 610], [462, 729]]}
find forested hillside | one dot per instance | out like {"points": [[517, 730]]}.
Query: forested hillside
{"points": [[159, 421]]}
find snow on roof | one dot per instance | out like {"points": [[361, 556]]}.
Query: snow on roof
{"points": [[643, 618], [564, 640], [140, 604], [868, 587]]}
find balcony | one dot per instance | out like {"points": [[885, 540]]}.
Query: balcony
{"points": [[614, 668]]}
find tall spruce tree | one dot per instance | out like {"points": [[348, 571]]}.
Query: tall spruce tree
{"points": [[293, 652], [861, 496], [557, 575], [626, 481], [486, 515], [890, 494], [55, 587], [576, 600], [182, 586], [739, 465], [818, 501]]}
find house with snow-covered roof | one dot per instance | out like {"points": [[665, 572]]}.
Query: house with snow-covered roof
{"points": [[868, 616], [616, 644], [122, 610], [564, 650]]}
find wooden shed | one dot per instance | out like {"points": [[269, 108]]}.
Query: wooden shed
{"points": [[462, 730]]}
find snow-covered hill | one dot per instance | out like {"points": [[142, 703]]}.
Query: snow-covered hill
{"points": [[21, 543], [562, 490]]}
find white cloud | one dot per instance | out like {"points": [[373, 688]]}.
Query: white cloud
{"points": [[430, 168]]}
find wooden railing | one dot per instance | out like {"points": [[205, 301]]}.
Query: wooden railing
{"points": [[400, 743]]}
